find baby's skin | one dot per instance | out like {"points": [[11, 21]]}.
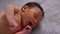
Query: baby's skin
{"points": [[19, 21]]}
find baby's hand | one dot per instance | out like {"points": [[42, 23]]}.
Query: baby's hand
{"points": [[26, 30], [10, 10]]}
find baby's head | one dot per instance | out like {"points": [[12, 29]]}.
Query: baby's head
{"points": [[32, 13]]}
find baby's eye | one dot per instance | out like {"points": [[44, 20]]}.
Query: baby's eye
{"points": [[35, 15]]}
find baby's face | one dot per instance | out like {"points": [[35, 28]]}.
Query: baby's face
{"points": [[28, 17], [31, 16]]}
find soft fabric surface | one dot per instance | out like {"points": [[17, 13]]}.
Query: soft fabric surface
{"points": [[50, 23]]}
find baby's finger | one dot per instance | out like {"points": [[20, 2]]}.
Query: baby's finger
{"points": [[26, 30]]}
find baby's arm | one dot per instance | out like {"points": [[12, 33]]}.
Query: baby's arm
{"points": [[10, 11]]}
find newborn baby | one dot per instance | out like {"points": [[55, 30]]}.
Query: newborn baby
{"points": [[17, 20]]}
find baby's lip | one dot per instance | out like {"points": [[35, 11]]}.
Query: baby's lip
{"points": [[30, 24]]}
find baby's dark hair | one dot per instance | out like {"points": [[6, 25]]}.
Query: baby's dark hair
{"points": [[35, 4]]}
